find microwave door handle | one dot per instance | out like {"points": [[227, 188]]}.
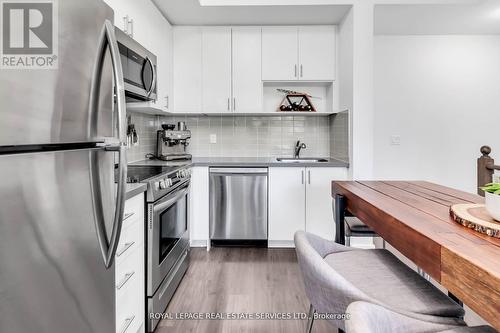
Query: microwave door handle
{"points": [[107, 41], [153, 83]]}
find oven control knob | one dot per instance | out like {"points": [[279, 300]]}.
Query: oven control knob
{"points": [[157, 185], [169, 182], [163, 185]]}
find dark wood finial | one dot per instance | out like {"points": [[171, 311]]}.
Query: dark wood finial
{"points": [[485, 150]]}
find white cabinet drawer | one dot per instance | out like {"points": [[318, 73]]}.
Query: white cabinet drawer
{"points": [[134, 210], [130, 239], [128, 295]]}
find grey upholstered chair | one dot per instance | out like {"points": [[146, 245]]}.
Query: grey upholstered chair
{"points": [[335, 276], [370, 318]]}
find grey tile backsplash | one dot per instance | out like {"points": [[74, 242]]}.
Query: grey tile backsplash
{"points": [[241, 136], [146, 127], [339, 136]]}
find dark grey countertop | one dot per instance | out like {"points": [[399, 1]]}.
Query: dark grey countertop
{"points": [[247, 161], [262, 161], [133, 189]]}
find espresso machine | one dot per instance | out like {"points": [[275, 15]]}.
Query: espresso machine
{"points": [[171, 143]]}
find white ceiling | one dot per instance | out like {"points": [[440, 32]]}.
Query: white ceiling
{"points": [[400, 17], [483, 17], [189, 12]]}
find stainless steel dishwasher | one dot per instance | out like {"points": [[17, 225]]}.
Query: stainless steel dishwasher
{"points": [[238, 206]]}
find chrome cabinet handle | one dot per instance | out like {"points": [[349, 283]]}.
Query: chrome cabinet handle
{"points": [[167, 101], [295, 75], [234, 103], [301, 71], [124, 280], [228, 104], [107, 41], [125, 24], [127, 323], [309, 176], [131, 23], [302, 176], [126, 246], [127, 215]]}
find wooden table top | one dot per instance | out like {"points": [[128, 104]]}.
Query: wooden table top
{"points": [[413, 216]]}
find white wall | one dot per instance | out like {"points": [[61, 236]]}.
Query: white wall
{"points": [[363, 107], [345, 73], [441, 94]]}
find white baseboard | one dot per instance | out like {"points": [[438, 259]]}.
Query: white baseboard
{"points": [[362, 242], [281, 243], [198, 243]]}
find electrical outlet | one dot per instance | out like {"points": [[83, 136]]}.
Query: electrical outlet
{"points": [[395, 140], [213, 138]]}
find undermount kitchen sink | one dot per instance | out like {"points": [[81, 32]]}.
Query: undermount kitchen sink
{"points": [[301, 160]]}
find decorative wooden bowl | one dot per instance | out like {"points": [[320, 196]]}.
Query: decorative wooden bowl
{"points": [[476, 217]]}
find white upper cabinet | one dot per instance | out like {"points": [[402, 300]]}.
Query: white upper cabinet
{"points": [[279, 53], [164, 53], [246, 61], [216, 69], [187, 69], [298, 53], [317, 53]]}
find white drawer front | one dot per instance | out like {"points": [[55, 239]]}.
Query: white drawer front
{"points": [[129, 294], [127, 314], [132, 236], [134, 210]]}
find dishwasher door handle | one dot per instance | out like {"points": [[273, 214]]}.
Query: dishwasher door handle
{"points": [[238, 171]]}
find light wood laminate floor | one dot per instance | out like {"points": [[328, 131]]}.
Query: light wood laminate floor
{"points": [[241, 280]]}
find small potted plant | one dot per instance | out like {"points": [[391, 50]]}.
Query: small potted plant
{"points": [[492, 192]]}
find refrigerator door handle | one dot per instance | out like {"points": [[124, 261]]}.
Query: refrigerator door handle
{"points": [[115, 144]]}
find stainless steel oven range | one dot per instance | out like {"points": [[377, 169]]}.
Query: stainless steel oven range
{"points": [[167, 236]]}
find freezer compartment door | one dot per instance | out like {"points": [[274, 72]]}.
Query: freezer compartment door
{"points": [[238, 204], [46, 106], [52, 274]]}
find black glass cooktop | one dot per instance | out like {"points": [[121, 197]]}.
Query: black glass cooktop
{"points": [[139, 173]]}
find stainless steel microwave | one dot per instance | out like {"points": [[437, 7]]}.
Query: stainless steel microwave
{"points": [[139, 69]]}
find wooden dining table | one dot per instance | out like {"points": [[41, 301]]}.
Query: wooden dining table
{"points": [[414, 218]]}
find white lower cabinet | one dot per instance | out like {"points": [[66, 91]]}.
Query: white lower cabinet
{"points": [[319, 213], [287, 207], [198, 207], [300, 199], [129, 270]]}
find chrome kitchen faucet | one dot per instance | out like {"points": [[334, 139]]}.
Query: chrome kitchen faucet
{"points": [[298, 147]]}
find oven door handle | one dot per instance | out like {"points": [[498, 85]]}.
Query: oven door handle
{"points": [[169, 201]]}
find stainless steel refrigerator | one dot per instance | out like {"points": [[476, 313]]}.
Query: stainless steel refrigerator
{"points": [[61, 139]]}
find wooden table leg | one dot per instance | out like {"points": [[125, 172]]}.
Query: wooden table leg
{"points": [[340, 207]]}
